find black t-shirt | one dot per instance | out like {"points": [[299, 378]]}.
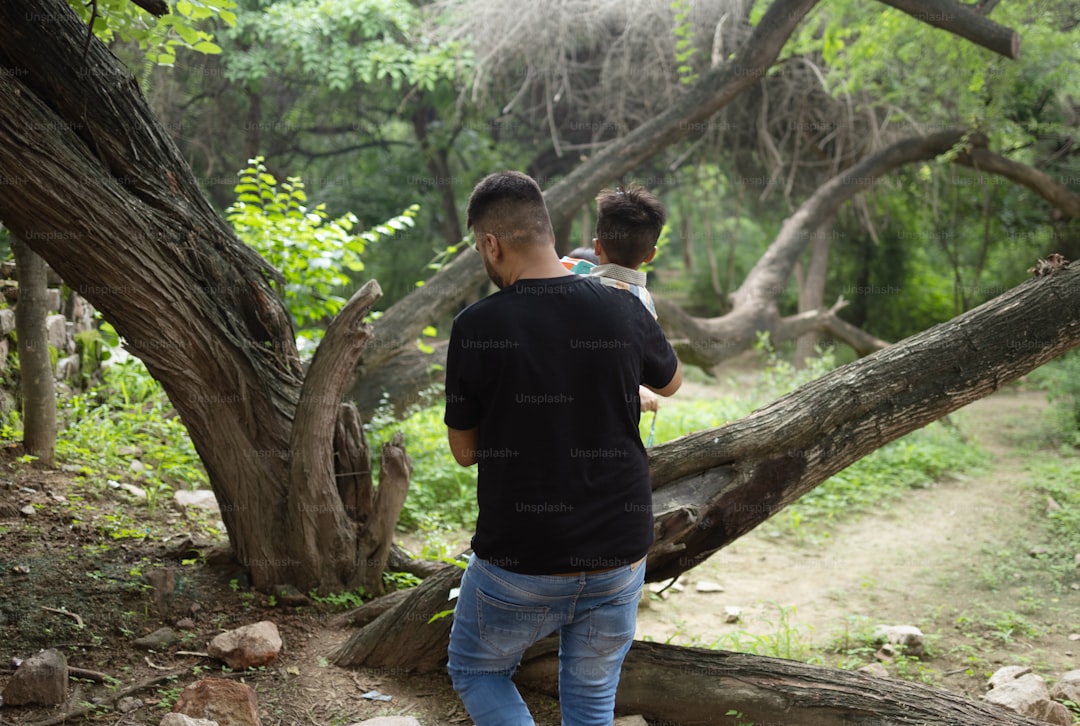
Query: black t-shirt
{"points": [[548, 371]]}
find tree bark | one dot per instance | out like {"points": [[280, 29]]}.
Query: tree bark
{"points": [[697, 686], [36, 382], [712, 487]]}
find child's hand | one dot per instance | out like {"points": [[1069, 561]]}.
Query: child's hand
{"points": [[649, 400]]}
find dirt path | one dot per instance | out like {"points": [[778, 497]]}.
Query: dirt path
{"points": [[931, 559]]}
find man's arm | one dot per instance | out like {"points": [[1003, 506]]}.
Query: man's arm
{"points": [[673, 385], [462, 445]]}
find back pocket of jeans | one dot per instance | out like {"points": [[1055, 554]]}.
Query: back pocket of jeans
{"points": [[506, 627], [612, 626]]}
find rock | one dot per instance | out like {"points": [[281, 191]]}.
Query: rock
{"points": [[1018, 689], [179, 719], [135, 491], [665, 587], [127, 704], [28, 510], [185, 624], [7, 321], [630, 721], [56, 332], [158, 640], [41, 680], [886, 653], [875, 669], [706, 586], [1053, 712], [910, 639], [1067, 687], [67, 369], [391, 721], [732, 614], [202, 498], [227, 702], [247, 647], [1006, 674]]}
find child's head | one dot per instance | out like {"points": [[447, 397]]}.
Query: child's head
{"points": [[628, 223]]}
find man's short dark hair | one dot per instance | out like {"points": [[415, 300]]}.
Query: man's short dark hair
{"points": [[628, 223], [510, 205]]}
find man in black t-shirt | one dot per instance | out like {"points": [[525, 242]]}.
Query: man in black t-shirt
{"points": [[541, 393]]}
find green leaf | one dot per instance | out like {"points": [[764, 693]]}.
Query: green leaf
{"points": [[207, 47]]}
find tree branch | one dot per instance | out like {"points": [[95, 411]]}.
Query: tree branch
{"points": [[316, 515], [1059, 195], [962, 21]]}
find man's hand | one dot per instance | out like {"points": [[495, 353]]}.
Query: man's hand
{"points": [[649, 400]]}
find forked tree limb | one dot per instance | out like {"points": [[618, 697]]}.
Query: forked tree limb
{"points": [[315, 516]]}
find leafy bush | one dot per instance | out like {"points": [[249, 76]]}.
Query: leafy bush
{"points": [[125, 419], [1061, 380], [313, 253], [441, 493]]}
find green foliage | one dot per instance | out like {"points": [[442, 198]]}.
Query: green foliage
{"points": [[342, 43], [784, 640], [158, 38], [684, 42], [1055, 478], [129, 418], [314, 254], [441, 493], [342, 600], [400, 580], [1061, 379]]}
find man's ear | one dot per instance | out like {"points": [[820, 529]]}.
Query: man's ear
{"points": [[494, 246], [650, 257]]}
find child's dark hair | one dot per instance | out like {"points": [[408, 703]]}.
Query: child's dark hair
{"points": [[628, 223]]}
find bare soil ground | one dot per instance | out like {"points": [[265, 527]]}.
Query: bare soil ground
{"points": [[952, 559]]}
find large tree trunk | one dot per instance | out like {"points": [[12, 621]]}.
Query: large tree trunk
{"points": [[695, 686], [712, 487], [102, 194], [36, 383]]}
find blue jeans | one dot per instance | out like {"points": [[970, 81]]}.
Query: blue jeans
{"points": [[499, 614]]}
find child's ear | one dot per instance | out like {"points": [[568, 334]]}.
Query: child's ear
{"points": [[650, 257], [596, 248]]}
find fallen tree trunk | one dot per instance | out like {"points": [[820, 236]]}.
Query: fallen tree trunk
{"points": [[679, 685], [712, 487]]}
